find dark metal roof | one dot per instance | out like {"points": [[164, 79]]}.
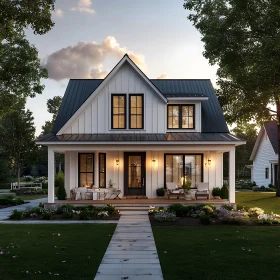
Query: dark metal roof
{"points": [[78, 91], [272, 132], [128, 137]]}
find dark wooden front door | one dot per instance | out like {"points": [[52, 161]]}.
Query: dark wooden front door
{"points": [[134, 173]]}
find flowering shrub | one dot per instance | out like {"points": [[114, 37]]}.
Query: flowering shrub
{"points": [[207, 209], [255, 212], [103, 214], [269, 219], [154, 209], [165, 217], [16, 215]]}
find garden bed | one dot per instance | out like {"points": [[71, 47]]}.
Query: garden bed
{"points": [[67, 212]]}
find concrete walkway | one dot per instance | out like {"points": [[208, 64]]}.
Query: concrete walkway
{"points": [[132, 253], [6, 212]]}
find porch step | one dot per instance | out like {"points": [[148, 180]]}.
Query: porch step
{"points": [[135, 197], [133, 210]]}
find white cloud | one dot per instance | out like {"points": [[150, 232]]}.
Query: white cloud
{"points": [[163, 76], [59, 13], [85, 60], [84, 6]]}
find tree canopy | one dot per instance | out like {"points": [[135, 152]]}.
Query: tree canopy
{"points": [[15, 15], [242, 37]]}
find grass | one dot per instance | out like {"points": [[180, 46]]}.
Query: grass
{"points": [[75, 254], [218, 253], [32, 197], [267, 201]]}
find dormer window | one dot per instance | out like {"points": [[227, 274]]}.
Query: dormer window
{"points": [[180, 117], [118, 111], [136, 111]]}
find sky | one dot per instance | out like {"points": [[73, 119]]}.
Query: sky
{"points": [[91, 36]]}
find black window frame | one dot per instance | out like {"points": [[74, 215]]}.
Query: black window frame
{"points": [[79, 167], [183, 154], [99, 169], [267, 173], [129, 111], [181, 115], [112, 110]]}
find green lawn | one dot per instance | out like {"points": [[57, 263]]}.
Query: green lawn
{"points": [[218, 253], [267, 201], [75, 254], [32, 197]]}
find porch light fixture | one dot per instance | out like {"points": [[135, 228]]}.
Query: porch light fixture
{"points": [[117, 162], [209, 162], [154, 162]]}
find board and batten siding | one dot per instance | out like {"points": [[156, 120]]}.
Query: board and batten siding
{"points": [[264, 155], [96, 118]]}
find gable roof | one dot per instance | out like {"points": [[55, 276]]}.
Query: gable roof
{"points": [[272, 132], [79, 90]]}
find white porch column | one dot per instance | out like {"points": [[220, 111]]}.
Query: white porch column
{"points": [[50, 175], [232, 175]]}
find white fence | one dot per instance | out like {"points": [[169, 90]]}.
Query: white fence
{"points": [[14, 186]]}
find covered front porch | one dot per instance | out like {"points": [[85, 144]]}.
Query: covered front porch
{"points": [[138, 169]]}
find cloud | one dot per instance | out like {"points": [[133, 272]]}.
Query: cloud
{"points": [[84, 6], [163, 76], [59, 13], [86, 59]]}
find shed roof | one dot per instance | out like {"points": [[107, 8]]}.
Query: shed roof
{"points": [[272, 133]]}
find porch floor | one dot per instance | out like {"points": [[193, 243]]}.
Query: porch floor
{"points": [[145, 202]]}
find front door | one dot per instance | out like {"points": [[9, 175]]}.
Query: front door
{"points": [[134, 174]]}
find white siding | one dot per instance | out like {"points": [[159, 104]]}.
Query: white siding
{"points": [[264, 154], [96, 118]]}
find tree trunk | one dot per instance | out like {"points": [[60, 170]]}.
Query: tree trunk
{"points": [[278, 173], [18, 174]]}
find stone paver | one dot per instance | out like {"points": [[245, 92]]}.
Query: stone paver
{"points": [[5, 212], [131, 253]]}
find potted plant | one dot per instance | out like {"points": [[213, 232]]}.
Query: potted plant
{"points": [[160, 191], [187, 186], [216, 192], [110, 184]]}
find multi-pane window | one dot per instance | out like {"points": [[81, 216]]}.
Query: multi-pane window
{"points": [[102, 170], [136, 109], [182, 167], [118, 111], [267, 173], [86, 176], [180, 116]]}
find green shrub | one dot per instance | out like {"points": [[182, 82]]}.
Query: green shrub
{"points": [[16, 215], [59, 183], [160, 191], [239, 220], [224, 192], [216, 191], [204, 219], [85, 214], [165, 217], [255, 211], [178, 209], [64, 208], [110, 209], [46, 215], [44, 185], [227, 207]]}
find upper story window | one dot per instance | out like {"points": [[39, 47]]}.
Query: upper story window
{"points": [[118, 111], [136, 111], [180, 116]]}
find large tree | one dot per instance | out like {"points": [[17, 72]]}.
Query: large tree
{"points": [[15, 15], [17, 137], [242, 37], [246, 131], [20, 70]]}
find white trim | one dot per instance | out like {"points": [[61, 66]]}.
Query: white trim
{"points": [[188, 98], [126, 58]]}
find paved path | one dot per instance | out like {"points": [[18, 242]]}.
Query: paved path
{"points": [[132, 253], [5, 212]]}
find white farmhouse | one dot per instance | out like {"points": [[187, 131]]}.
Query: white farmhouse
{"points": [[140, 133], [265, 155]]}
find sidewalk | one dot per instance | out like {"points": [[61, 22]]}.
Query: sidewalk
{"points": [[132, 253], [5, 212]]}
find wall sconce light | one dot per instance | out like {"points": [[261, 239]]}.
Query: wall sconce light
{"points": [[154, 162], [117, 162], [209, 162]]}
